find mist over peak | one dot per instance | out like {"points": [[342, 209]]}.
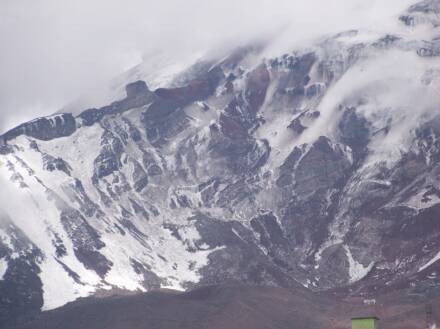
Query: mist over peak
{"points": [[56, 52]]}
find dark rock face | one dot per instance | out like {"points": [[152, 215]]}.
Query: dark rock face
{"points": [[164, 119], [109, 159], [51, 164], [257, 84], [271, 235], [195, 90], [86, 240], [431, 49], [292, 75], [322, 167], [355, 132], [20, 287], [240, 155], [298, 69], [136, 89], [302, 121], [239, 259], [422, 12], [21, 295], [138, 95], [45, 128], [309, 177]]}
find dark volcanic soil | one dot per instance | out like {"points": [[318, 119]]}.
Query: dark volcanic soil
{"points": [[234, 307]]}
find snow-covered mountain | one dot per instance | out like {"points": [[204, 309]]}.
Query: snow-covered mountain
{"points": [[318, 167]]}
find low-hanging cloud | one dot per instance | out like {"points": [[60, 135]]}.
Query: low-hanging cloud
{"points": [[54, 51]]}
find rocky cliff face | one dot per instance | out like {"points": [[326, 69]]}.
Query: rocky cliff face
{"points": [[317, 168]]}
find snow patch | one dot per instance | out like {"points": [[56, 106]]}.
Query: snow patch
{"points": [[3, 267], [58, 287], [432, 261], [356, 270], [422, 201]]}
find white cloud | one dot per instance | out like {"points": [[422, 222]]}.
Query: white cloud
{"points": [[53, 51]]}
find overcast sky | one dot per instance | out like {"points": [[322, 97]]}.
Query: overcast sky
{"points": [[53, 51]]}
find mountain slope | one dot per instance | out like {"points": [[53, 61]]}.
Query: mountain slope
{"points": [[316, 168]]}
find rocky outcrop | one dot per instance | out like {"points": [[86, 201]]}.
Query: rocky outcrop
{"points": [[163, 119], [46, 128], [20, 285], [424, 12], [138, 95]]}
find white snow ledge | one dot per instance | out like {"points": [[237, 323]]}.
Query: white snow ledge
{"points": [[432, 261], [3, 267]]}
